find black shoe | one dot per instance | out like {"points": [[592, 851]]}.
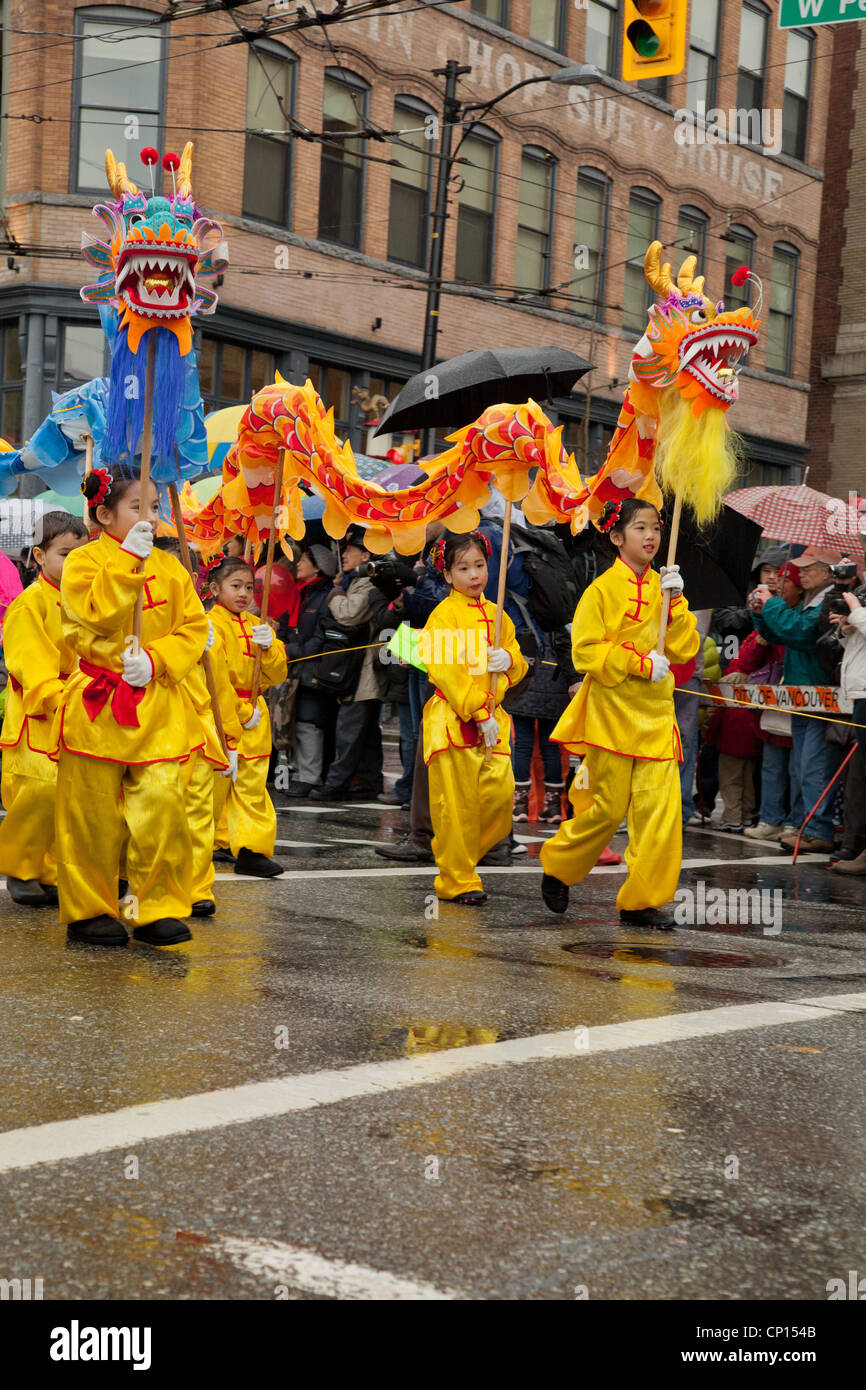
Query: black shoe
{"points": [[472, 899], [50, 892], [28, 892], [407, 852], [165, 931], [499, 854], [392, 799], [98, 931], [843, 855], [205, 907], [297, 790], [223, 856], [554, 893], [660, 919], [327, 794], [257, 865]]}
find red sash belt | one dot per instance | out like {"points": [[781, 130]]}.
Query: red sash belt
{"points": [[125, 699], [16, 685], [244, 694], [468, 727]]}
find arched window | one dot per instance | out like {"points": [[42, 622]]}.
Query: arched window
{"points": [[692, 235], [783, 299], [590, 237], [739, 250], [268, 148], [118, 92], [409, 207], [641, 229], [798, 83], [477, 205], [534, 219], [341, 185]]}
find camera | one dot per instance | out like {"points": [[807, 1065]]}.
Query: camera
{"points": [[845, 571], [388, 575]]}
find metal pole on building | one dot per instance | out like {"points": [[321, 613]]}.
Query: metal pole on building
{"points": [[450, 111]]}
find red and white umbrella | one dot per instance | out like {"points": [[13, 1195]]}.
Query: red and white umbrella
{"points": [[803, 516]]}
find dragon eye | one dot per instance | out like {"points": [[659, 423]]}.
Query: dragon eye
{"points": [[697, 316], [135, 218]]}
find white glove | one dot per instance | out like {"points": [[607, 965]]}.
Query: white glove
{"points": [[489, 729], [254, 721], [138, 669], [211, 635], [660, 665], [263, 635], [671, 578], [498, 660], [139, 540], [232, 769]]}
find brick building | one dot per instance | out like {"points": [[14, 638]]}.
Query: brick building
{"points": [[837, 404], [557, 194]]}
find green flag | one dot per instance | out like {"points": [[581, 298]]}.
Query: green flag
{"points": [[404, 644]]}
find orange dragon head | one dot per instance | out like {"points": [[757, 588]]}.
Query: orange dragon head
{"points": [[691, 343]]}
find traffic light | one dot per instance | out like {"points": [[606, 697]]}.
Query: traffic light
{"points": [[654, 38]]}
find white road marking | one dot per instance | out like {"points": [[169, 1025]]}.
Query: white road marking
{"points": [[63, 1140], [334, 1278]]}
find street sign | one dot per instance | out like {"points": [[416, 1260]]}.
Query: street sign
{"points": [[794, 14]]}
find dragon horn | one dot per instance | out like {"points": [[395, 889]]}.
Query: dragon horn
{"points": [[658, 275], [687, 270], [184, 173], [118, 181]]}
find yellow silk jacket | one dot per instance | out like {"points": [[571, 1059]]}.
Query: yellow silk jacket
{"points": [[457, 632], [617, 707], [100, 584], [238, 650], [195, 688], [38, 660]]}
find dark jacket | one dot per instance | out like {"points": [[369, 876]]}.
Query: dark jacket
{"points": [[307, 639]]}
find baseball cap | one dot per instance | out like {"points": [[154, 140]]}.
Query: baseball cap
{"points": [[814, 555], [324, 559]]}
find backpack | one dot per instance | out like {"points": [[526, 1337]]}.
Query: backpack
{"points": [[554, 593], [336, 671]]}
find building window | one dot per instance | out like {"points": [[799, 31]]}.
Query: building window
{"points": [[497, 10], [341, 188], [11, 383], [642, 228], [477, 201], [601, 34], [703, 46], [692, 234], [547, 22], [409, 208], [795, 113], [590, 232], [334, 385], [752, 62], [231, 373], [85, 355], [267, 151], [739, 250], [783, 295], [534, 220], [118, 93]]}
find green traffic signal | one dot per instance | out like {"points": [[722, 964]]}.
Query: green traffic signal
{"points": [[644, 38]]}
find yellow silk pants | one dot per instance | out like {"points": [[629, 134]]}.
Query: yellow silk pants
{"points": [[197, 781], [92, 824], [28, 787], [243, 811], [605, 788], [471, 805]]}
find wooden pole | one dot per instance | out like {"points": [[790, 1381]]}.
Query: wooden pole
{"points": [[146, 450], [672, 555], [205, 656], [500, 601], [88, 468], [269, 565]]}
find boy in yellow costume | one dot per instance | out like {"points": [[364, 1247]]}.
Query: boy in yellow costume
{"points": [[242, 797], [123, 726], [39, 661], [471, 798], [622, 722]]}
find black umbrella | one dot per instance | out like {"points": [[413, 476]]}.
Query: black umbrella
{"points": [[454, 393], [715, 562]]}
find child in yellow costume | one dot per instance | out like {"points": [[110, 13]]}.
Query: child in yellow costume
{"points": [[39, 661], [622, 722], [123, 726], [471, 799], [250, 821]]}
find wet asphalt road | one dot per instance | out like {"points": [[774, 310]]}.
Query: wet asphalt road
{"points": [[728, 1165]]}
